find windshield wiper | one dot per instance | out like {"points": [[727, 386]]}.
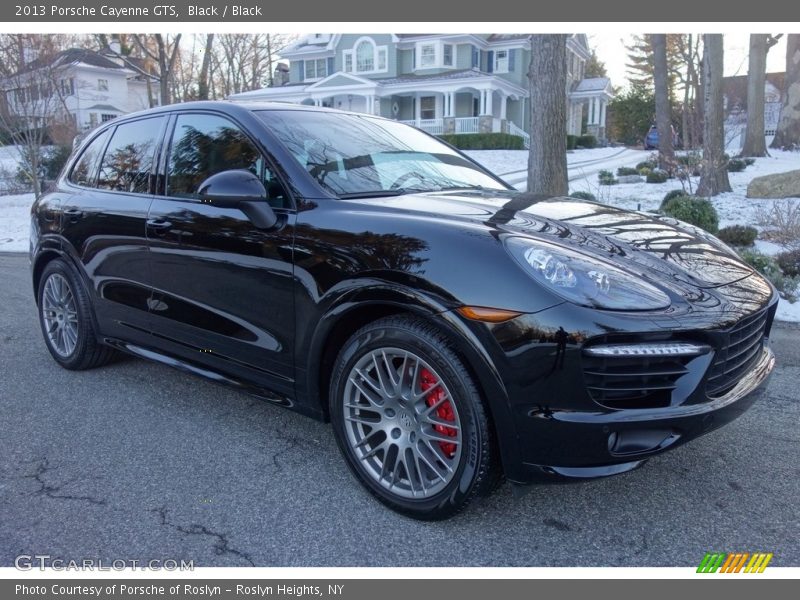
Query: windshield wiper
{"points": [[380, 193], [477, 188]]}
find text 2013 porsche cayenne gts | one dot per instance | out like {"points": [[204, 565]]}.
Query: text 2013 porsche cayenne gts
{"points": [[353, 268]]}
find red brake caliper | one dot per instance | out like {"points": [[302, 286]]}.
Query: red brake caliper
{"points": [[444, 411]]}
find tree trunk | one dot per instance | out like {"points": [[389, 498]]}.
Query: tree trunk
{"points": [[754, 142], [714, 179], [163, 71], [787, 136], [202, 85], [666, 154], [547, 74]]}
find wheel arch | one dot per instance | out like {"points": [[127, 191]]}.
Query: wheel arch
{"points": [[344, 319], [42, 259]]}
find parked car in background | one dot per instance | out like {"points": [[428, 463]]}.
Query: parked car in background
{"points": [[651, 139], [359, 271]]}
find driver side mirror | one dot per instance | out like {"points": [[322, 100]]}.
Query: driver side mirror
{"points": [[239, 188]]}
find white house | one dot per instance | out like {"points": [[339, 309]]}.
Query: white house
{"points": [[734, 91], [82, 86], [442, 83]]}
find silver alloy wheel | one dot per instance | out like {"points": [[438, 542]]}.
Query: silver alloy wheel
{"points": [[401, 423], [60, 315]]}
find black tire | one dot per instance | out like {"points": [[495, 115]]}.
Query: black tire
{"points": [[86, 351], [476, 472]]}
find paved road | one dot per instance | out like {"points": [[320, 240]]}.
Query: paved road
{"points": [[138, 461]]}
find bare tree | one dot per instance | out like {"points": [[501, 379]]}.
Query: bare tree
{"points": [[755, 143], [662, 92], [164, 52], [714, 176], [32, 104], [547, 74], [242, 62], [787, 136], [205, 69]]}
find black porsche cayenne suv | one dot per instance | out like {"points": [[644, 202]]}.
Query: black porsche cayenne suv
{"points": [[352, 268]]}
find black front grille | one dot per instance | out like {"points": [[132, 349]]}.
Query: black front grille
{"points": [[738, 353], [633, 381]]}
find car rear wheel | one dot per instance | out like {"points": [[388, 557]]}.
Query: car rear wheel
{"points": [[66, 320], [410, 421]]}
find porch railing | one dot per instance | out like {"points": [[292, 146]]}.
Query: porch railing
{"points": [[432, 126], [467, 125], [514, 130]]}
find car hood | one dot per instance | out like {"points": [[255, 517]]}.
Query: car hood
{"points": [[655, 247]]}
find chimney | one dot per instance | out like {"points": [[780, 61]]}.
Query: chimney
{"points": [[29, 54], [115, 54], [281, 75]]}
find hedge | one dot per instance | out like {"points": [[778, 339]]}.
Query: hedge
{"points": [[572, 141], [484, 141]]}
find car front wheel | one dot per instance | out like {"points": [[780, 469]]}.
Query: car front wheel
{"points": [[410, 420]]}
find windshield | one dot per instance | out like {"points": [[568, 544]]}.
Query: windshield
{"points": [[358, 155]]}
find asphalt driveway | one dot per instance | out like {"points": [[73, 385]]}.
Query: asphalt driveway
{"points": [[139, 461]]}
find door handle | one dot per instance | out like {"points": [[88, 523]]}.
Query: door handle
{"points": [[158, 224]]}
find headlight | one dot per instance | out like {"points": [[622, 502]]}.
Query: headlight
{"points": [[583, 279]]}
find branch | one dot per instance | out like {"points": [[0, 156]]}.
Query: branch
{"points": [[773, 40], [144, 47]]}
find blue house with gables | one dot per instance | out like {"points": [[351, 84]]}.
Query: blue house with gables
{"points": [[442, 83]]}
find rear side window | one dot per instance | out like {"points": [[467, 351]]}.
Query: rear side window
{"points": [[128, 161], [85, 170]]}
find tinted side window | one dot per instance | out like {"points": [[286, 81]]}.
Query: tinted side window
{"points": [[203, 145], [128, 161], [85, 170]]}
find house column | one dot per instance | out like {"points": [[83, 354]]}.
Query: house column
{"points": [[449, 102], [489, 95], [448, 120], [376, 105], [417, 108], [603, 106], [503, 106]]}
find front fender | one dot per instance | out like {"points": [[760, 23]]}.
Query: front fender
{"points": [[358, 306]]}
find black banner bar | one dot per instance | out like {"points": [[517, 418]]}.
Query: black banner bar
{"points": [[359, 11]]}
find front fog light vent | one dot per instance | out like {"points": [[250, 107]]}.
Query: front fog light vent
{"points": [[648, 349]]}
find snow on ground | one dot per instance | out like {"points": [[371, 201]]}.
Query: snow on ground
{"points": [[15, 222], [9, 158]]}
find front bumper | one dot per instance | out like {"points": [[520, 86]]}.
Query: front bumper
{"points": [[598, 444]]}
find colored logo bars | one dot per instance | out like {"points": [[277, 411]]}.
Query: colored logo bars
{"points": [[734, 562]]}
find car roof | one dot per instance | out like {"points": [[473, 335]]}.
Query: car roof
{"points": [[230, 107]]}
